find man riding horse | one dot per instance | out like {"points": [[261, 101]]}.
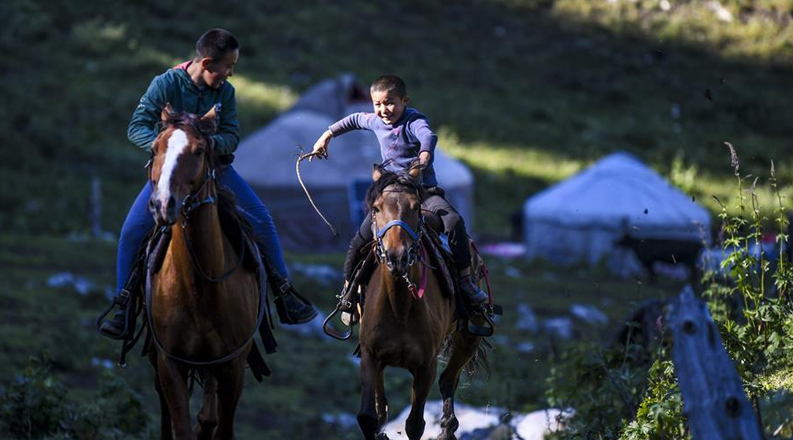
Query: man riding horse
{"points": [[196, 86]]}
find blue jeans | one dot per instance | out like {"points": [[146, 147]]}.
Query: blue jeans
{"points": [[139, 222]]}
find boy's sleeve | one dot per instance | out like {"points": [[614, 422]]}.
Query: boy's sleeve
{"points": [[142, 130], [426, 137], [355, 121], [228, 136]]}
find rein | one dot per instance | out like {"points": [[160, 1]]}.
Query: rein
{"points": [[190, 203], [226, 358]]}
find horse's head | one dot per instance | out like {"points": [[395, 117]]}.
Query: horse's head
{"points": [[394, 202], [182, 162]]}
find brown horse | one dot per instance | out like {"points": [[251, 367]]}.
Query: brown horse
{"points": [[202, 303], [400, 328]]}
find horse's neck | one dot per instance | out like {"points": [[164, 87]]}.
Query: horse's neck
{"points": [[206, 238], [394, 292]]}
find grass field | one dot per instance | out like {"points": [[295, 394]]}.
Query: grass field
{"points": [[313, 377], [525, 92]]}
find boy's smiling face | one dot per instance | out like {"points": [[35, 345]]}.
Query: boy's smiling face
{"points": [[216, 72], [388, 106]]}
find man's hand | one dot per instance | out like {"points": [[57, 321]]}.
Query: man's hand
{"points": [[320, 150]]}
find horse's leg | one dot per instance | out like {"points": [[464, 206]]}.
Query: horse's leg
{"points": [[463, 349], [208, 416], [165, 415], [381, 403], [371, 370], [230, 380], [423, 377], [173, 382]]}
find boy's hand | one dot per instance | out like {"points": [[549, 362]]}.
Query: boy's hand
{"points": [[320, 150]]}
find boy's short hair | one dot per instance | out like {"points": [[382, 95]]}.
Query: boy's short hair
{"points": [[215, 43], [390, 84]]}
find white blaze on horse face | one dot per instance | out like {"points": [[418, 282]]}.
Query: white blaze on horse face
{"points": [[177, 144]]}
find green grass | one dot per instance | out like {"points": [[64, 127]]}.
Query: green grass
{"points": [[311, 377]]}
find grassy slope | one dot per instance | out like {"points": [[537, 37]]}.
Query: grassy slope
{"points": [[526, 92], [526, 95]]}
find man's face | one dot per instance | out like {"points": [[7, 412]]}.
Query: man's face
{"points": [[216, 72], [388, 106]]}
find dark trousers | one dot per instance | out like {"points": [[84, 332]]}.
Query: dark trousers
{"points": [[453, 226]]}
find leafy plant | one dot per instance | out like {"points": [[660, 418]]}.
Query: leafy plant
{"points": [[35, 406]]}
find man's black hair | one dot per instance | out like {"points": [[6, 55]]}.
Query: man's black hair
{"points": [[391, 84], [215, 43]]}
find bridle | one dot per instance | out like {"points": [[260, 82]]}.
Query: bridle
{"points": [[192, 202], [415, 250]]}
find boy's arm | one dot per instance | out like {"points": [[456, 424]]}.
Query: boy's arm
{"points": [[228, 135], [427, 139], [355, 121], [142, 127]]}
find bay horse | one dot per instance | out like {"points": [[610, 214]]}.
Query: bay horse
{"points": [[202, 302], [400, 328]]}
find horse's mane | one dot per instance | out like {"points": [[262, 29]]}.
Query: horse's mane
{"points": [[388, 178]]}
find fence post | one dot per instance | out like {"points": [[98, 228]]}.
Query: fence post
{"points": [[713, 397]]}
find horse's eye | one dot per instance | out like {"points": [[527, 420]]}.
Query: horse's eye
{"points": [[199, 152]]}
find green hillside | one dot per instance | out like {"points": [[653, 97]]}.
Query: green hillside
{"points": [[525, 92]]}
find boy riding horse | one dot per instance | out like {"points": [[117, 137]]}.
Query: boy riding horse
{"points": [[404, 134]]}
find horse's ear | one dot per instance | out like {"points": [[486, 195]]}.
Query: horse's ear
{"points": [[209, 122], [377, 172], [415, 169], [211, 114], [166, 112]]}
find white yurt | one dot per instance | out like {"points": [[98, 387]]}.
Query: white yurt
{"points": [[266, 160], [578, 220]]}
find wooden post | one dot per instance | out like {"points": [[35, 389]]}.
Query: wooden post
{"points": [[713, 397]]}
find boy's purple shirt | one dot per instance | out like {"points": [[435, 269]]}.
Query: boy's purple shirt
{"points": [[400, 143]]}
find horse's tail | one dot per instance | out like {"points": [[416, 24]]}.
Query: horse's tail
{"points": [[478, 363]]}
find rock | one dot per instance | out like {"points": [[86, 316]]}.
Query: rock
{"points": [[535, 425], [588, 313]]}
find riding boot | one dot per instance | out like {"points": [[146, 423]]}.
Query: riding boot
{"points": [[122, 324], [291, 307], [476, 296]]}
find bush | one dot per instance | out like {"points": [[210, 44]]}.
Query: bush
{"points": [[35, 406]]}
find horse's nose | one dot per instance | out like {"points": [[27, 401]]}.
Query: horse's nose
{"points": [[397, 261], [165, 214]]}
